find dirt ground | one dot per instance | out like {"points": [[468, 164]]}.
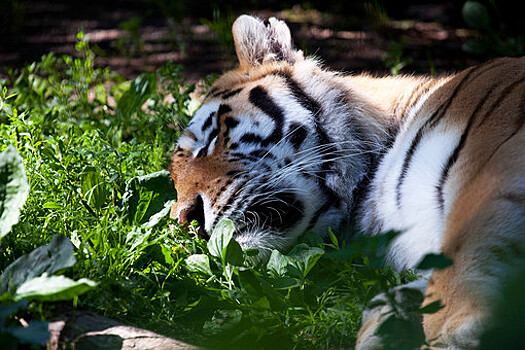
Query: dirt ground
{"points": [[130, 39]]}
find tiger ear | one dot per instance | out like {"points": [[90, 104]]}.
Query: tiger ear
{"points": [[257, 42]]}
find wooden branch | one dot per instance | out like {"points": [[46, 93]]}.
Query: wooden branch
{"points": [[87, 330]]}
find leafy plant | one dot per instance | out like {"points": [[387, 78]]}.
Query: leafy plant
{"points": [[30, 276], [13, 188], [221, 25], [492, 39], [131, 44], [95, 148], [394, 58]]}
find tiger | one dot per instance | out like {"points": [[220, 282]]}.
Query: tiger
{"points": [[282, 145]]}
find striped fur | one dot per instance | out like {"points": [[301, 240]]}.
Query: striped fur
{"points": [[281, 145]]}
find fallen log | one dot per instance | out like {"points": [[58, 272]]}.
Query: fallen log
{"points": [[85, 330]]}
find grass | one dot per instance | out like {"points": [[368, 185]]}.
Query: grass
{"points": [[95, 147]]}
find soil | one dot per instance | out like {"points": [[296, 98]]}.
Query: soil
{"points": [[130, 38]]}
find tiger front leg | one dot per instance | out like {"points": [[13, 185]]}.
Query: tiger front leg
{"points": [[392, 319]]}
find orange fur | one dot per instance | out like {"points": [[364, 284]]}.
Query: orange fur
{"points": [[483, 192]]}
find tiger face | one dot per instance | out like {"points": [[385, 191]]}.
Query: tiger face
{"points": [[281, 146], [263, 151]]}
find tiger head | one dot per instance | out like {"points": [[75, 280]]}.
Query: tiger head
{"points": [[279, 145]]}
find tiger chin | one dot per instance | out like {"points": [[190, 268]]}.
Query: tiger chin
{"points": [[282, 145]]}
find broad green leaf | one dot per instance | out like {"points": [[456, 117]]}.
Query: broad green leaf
{"points": [[220, 240], [138, 93], [431, 308], [52, 205], [297, 264], [14, 188], [258, 286], [277, 263], [234, 254], [311, 238], [93, 187], [262, 303], [434, 261], [476, 15], [285, 282], [304, 257], [333, 238], [199, 263], [36, 333], [223, 320], [148, 198], [400, 333], [8, 310], [52, 288], [49, 259], [156, 218], [476, 46]]}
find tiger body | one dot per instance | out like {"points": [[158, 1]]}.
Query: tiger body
{"points": [[281, 145]]}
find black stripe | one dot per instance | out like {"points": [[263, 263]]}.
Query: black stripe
{"points": [[297, 134], [302, 97], [432, 121], [251, 138], [259, 97], [329, 151], [239, 156], [234, 173], [519, 125], [230, 123], [261, 153], [455, 154], [232, 93], [479, 70], [212, 92], [208, 122], [223, 109], [204, 150]]}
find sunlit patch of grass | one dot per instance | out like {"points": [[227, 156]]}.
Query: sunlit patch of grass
{"points": [[95, 147]]}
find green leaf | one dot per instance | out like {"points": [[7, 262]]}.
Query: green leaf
{"points": [[138, 93], [285, 282], [223, 246], [49, 259], [305, 257], [234, 254], [400, 333], [476, 46], [148, 198], [222, 320], [36, 333], [14, 188], [8, 310], [52, 205], [333, 238], [93, 187], [199, 263], [297, 264], [476, 15], [220, 237], [431, 308], [262, 303], [277, 263], [52, 288], [434, 261]]}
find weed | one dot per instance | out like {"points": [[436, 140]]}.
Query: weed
{"points": [[95, 148]]}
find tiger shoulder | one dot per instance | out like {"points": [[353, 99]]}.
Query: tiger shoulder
{"points": [[282, 145]]}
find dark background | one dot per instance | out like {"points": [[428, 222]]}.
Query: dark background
{"points": [[133, 36]]}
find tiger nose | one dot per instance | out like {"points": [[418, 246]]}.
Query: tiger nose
{"points": [[195, 212]]}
